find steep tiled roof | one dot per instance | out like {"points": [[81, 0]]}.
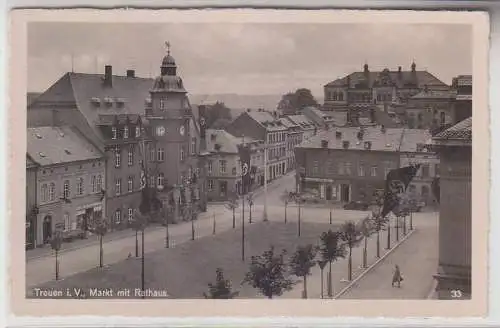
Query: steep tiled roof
{"points": [[435, 94], [54, 145], [227, 142], [302, 121], [288, 123], [267, 120], [392, 140], [422, 78], [460, 131]]}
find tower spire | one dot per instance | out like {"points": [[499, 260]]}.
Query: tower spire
{"points": [[167, 44]]}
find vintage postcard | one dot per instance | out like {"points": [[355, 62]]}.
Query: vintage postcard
{"points": [[249, 163]]}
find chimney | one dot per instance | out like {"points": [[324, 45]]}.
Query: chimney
{"points": [[399, 69], [324, 143], [130, 73], [338, 135], [108, 76], [345, 144], [360, 134], [368, 145]]}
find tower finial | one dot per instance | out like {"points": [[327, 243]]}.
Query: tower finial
{"points": [[167, 44]]}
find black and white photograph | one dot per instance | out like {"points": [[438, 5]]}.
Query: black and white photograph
{"points": [[269, 160]]}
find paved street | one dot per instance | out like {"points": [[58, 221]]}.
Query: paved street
{"points": [[417, 258]]}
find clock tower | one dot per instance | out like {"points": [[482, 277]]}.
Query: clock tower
{"points": [[169, 115]]}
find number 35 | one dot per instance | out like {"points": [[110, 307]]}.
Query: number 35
{"points": [[456, 293]]}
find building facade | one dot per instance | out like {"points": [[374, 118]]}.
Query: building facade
{"points": [[307, 127], [120, 114], [69, 180], [454, 147], [31, 204], [350, 164], [262, 125]]}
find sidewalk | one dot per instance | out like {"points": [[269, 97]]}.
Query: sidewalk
{"points": [[417, 258], [93, 239]]}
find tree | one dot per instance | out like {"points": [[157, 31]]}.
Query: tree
{"points": [[55, 244], [217, 111], [232, 205], [293, 102], [366, 231], [322, 264], [331, 249], [101, 229], [377, 221], [222, 288], [301, 263], [267, 273], [351, 237]]}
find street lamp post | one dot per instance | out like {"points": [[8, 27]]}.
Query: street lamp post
{"points": [[55, 243]]}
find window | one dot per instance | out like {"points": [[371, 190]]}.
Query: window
{"points": [[222, 166], [44, 192], [162, 103], [425, 170], [67, 222], [79, 186], [66, 190], [52, 191], [341, 168], [118, 186], [113, 131], [361, 170], [348, 168], [152, 179], [125, 132], [130, 183], [210, 185], [151, 153], [99, 183], [130, 157], [373, 171], [93, 185], [118, 158], [436, 170], [118, 216], [130, 213], [210, 167], [315, 167], [160, 180], [161, 154], [234, 171], [193, 146], [137, 131], [182, 153]]}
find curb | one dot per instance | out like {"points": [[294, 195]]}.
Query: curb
{"points": [[348, 287]]}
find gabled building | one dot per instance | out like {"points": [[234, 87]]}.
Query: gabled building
{"points": [[262, 125], [70, 174], [129, 119], [323, 120], [378, 87], [351, 163]]}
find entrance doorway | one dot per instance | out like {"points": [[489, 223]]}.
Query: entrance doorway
{"points": [[328, 193], [344, 193], [47, 229]]}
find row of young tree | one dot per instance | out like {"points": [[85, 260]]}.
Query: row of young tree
{"points": [[271, 273]]}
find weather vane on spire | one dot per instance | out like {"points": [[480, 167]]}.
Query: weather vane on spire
{"points": [[167, 44]]}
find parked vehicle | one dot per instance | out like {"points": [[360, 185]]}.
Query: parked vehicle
{"points": [[356, 206]]}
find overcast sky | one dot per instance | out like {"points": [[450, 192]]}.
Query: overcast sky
{"points": [[246, 58]]}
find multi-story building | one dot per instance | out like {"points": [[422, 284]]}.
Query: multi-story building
{"points": [[262, 125], [462, 85], [69, 180], [454, 147], [307, 126], [351, 163], [430, 109], [293, 138], [120, 113], [31, 205]]}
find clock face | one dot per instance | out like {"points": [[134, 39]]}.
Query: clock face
{"points": [[160, 131], [182, 130]]}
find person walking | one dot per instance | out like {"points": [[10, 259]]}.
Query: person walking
{"points": [[397, 277]]}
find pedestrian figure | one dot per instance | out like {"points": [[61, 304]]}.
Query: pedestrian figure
{"points": [[397, 277]]}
